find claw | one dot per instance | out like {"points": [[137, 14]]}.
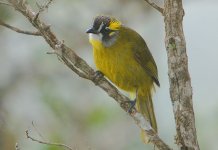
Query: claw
{"points": [[132, 105], [97, 77]]}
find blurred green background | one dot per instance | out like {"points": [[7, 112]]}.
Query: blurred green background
{"points": [[36, 87]]}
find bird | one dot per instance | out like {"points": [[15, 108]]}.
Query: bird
{"points": [[122, 55]]}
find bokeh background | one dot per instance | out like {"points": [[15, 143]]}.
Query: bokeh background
{"points": [[36, 88]]}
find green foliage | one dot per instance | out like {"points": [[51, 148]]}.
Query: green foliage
{"points": [[98, 117]]}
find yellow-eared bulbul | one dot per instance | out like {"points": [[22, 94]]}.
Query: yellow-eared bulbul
{"points": [[122, 55]]}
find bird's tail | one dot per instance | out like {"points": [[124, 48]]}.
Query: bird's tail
{"points": [[144, 105]]}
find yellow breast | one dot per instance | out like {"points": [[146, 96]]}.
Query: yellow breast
{"points": [[117, 64]]}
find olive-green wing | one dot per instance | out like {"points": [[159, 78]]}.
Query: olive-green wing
{"points": [[144, 57], [141, 52]]}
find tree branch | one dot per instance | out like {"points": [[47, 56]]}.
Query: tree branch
{"points": [[180, 82], [5, 3], [36, 33], [47, 143], [74, 62], [155, 6]]}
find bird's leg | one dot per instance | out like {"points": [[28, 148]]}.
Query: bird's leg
{"points": [[132, 103], [97, 77]]}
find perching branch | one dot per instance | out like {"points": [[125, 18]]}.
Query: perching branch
{"points": [[80, 67], [155, 6], [47, 143], [36, 33]]}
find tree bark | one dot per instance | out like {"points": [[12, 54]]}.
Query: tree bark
{"points": [[180, 82]]}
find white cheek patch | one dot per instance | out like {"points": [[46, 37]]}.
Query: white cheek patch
{"points": [[100, 27], [95, 36]]}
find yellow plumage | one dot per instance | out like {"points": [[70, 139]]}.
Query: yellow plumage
{"points": [[114, 24], [129, 64], [117, 64]]}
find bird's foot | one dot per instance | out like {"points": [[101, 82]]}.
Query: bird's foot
{"points": [[131, 105], [97, 77]]}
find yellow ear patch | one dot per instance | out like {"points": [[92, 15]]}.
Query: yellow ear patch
{"points": [[114, 24]]}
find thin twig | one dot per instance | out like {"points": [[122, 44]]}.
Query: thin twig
{"points": [[70, 65], [37, 131], [45, 6], [17, 146], [46, 143], [36, 33], [5, 3], [42, 8], [155, 6], [74, 69]]}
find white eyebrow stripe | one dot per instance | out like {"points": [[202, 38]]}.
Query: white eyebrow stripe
{"points": [[100, 27]]}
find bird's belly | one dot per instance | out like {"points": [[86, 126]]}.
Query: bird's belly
{"points": [[121, 68]]}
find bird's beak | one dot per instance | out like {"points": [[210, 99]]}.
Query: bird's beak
{"points": [[91, 30]]}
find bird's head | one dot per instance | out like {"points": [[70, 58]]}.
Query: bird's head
{"points": [[104, 29]]}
